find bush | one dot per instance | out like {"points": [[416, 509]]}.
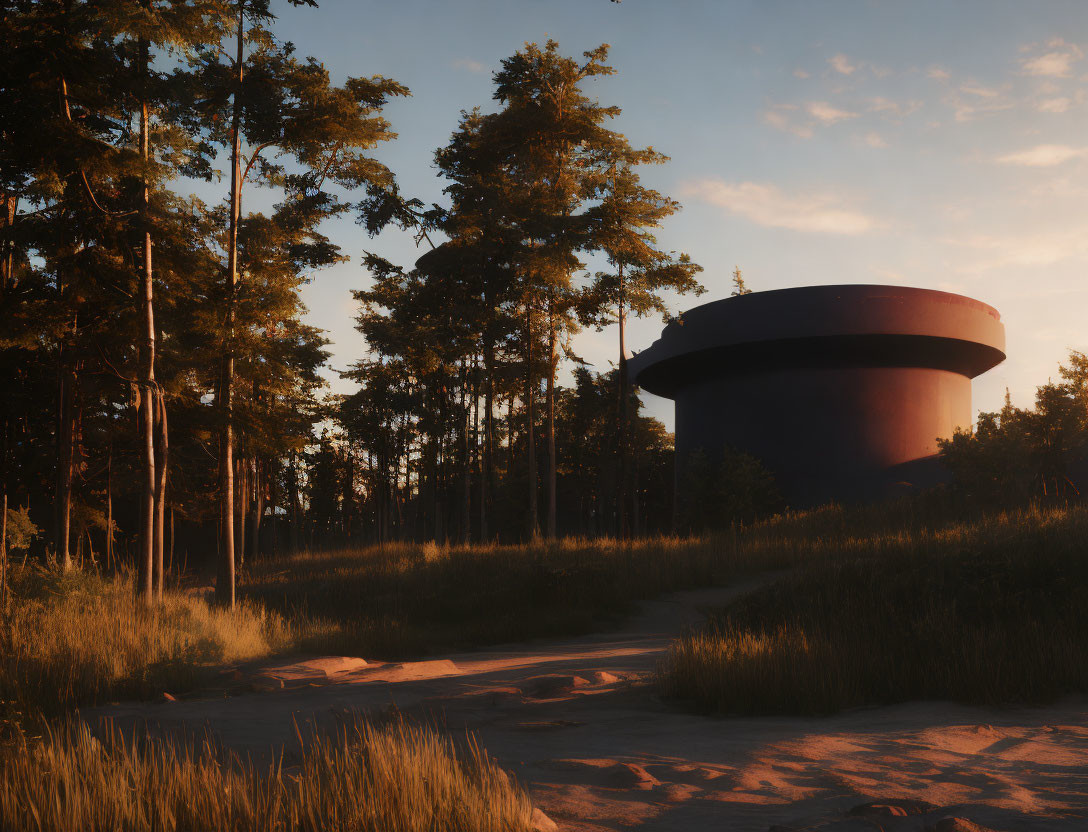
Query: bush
{"points": [[736, 489]]}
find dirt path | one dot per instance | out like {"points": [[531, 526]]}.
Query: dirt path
{"points": [[577, 723]]}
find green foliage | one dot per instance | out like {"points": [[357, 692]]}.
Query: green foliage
{"points": [[21, 529], [734, 489], [1016, 455]]}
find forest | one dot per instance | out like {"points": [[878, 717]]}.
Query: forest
{"points": [[164, 402]]}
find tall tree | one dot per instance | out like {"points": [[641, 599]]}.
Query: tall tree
{"points": [[266, 106], [641, 275]]}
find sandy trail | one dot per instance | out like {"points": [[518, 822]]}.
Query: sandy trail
{"points": [[577, 723]]}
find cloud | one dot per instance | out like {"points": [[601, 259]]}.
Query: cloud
{"points": [[826, 113], [800, 73], [971, 99], [767, 205], [874, 139], [469, 65], [1058, 63], [971, 88], [1054, 105], [1044, 248], [1043, 156], [779, 119], [840, 63], [938, 74], [895, 108]]}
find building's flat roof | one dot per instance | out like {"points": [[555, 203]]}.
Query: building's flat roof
{"points": [[832, 325]]}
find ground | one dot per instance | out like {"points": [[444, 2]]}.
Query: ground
{"points": [[577, 722]]}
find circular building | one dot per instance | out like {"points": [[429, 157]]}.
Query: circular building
{"points": [[842, 391]]}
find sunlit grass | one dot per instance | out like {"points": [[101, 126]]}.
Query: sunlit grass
{"points": [[989, 611], [395, 778], [81, 639]]}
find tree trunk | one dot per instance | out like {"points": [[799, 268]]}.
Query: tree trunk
{"points": [[466, 462], [553, 363], [4, 516], [148, 391], [534, 525], [225, 584], [241, 506], [109, 508], [65, 458], [161, 461], [170, 566], [257, 513], [621, 373], [293, 497], [488, 450]]}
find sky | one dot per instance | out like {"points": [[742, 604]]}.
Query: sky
{"points": [[930, 144]]}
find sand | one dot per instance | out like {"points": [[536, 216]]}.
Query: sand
{"points": [[578, 724]]}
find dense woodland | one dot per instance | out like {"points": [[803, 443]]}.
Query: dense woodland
{"points": [[163, 404]]}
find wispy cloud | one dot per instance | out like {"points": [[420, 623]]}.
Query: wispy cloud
{"points": [[874, 139], [970, 100], [1043, 248], [893, 108], [1057, 63], [469, 65], [1054, 105], [767, 205], [1043, 156], [800, 73], [825, 113], [802, 120], [840, 63], [976, 89], [781, 118]]}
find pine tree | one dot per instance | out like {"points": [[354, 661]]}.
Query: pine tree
{"points": [[265, 106], [624, 220]]}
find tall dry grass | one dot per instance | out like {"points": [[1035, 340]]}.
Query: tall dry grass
{"points": [[77, 638], [990, 611], [389, 779], [406, 600]]}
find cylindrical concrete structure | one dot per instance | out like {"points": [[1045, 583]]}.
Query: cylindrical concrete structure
{"points": [[842, 391]]}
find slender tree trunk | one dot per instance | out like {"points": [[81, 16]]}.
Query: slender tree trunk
{"points": [[258, 512], [5, 284], [161, 462], [148, 391], [534, 524], [621, 406], [241, 505], [489, 438], [4, 515], [293, 497], [553, 363], [225, 584], [466, 462], [65, 460], [109, 508]]}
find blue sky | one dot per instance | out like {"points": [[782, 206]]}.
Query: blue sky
{"points": [[930, 144]]}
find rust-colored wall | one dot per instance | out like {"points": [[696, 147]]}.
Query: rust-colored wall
{"points": [[826, 433]]}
